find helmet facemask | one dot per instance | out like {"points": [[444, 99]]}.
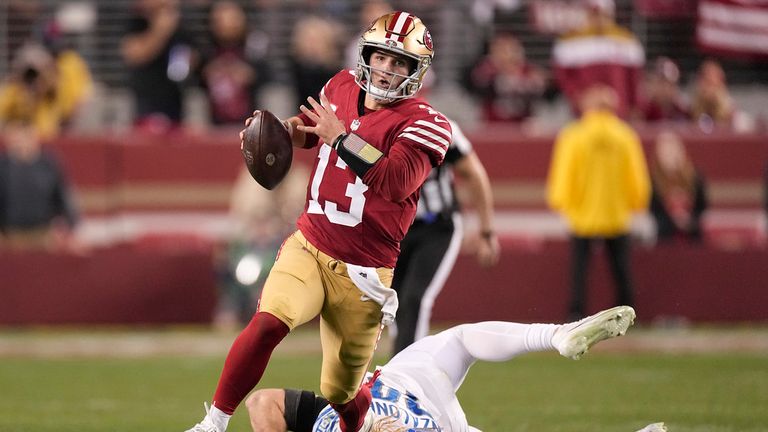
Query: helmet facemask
{"points": [[408, 87]]}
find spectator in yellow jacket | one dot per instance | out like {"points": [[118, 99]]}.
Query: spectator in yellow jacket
{"points": [[598, 177], [46, 88]]}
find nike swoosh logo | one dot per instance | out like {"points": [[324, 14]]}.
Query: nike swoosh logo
{"points": [[437, 120]]}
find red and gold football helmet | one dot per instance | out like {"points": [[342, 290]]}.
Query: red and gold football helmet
{"points": [[399, 33]]}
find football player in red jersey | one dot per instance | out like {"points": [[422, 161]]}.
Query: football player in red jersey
{"points": [[376, 145]]}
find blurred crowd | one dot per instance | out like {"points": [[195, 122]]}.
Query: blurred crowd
{"points": [[236, 60]]}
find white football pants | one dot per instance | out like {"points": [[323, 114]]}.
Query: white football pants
{"points": [[433, 368]]}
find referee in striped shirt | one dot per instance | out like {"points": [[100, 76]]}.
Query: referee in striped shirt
{"points": [[429, 249]]}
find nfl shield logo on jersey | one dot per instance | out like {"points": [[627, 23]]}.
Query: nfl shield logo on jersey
{"points": [[355, 124]]}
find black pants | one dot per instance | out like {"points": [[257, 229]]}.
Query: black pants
{"points": [[427, 255], [618, 249]]}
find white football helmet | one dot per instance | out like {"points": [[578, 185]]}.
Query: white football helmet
{"points": [[399, 33]]}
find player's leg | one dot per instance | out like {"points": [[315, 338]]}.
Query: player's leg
{"points": [[350, 328], [292, 295], [618, 249], [454, 351], [345, 362], [432, 254], [436, 365], [573, 340]]}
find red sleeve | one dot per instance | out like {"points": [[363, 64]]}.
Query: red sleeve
{"points": [[399, 174], [428, 132]]}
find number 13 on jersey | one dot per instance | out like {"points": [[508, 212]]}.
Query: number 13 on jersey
{"points": [[355, 191]]}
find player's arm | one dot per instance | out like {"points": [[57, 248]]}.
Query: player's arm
{"points": [[322, 122], [281, 410], [266, 410], [467, 167], [471, 170], [396, 175], [299, 138]]}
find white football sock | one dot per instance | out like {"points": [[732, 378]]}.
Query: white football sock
{"points": [[218, 418]]}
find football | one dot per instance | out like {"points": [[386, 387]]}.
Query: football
{"points": [[267, 149]]}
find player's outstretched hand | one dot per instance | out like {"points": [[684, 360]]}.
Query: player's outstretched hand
{"points": [[327, 126]]}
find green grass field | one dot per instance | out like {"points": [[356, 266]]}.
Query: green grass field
{"points": [[605, 391]]}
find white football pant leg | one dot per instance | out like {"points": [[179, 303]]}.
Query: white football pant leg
{"points": [[453, 351]]}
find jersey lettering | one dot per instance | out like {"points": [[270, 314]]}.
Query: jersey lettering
{"points": [[338, 216], [413, 405], [378, 391], [355, 191], [387, 403]]}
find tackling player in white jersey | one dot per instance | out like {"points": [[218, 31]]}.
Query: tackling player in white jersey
{"points": [[416, 390]]}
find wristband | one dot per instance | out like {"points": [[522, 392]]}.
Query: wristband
{"points": [[337, 142]]}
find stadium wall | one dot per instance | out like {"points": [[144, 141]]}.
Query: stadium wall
{"points": [[154, 206]]}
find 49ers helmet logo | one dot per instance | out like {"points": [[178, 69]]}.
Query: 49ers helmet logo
{"points": [[428, 40]]}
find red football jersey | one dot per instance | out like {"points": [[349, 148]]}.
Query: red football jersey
{"points": [[361, 221]]}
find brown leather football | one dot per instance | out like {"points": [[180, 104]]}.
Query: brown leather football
{"points": [[267, 149]]}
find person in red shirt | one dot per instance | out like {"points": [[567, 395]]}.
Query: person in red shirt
{"points": [[376, 145], [663, 100], [507, 83], [602, 52]]}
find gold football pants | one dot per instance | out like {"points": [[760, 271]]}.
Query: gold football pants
{"points": [[306, 282]]}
